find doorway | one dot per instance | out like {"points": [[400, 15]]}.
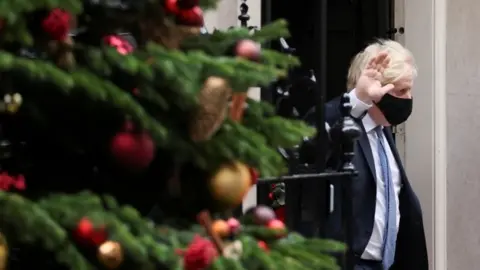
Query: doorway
{"points": [[351, 25]]}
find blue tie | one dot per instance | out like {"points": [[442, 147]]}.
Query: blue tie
{"points": [[390, 236]]}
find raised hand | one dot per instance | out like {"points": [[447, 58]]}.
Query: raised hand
{"points": [[369, 85]]}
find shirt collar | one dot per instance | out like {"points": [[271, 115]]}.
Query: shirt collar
{"points": [[368, 123]]}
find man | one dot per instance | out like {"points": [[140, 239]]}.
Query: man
{"points": [[388, 228]]}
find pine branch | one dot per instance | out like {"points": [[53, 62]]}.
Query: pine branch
{"points": [[29, 224]]}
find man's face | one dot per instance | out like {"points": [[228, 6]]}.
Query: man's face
{"points": [[402, 89], [403, 86]]}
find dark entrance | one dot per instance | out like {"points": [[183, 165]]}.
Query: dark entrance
{"points": [[350, 25]]}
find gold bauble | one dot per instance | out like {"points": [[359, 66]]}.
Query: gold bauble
{"points": [[221, 228], [212, 109], [244, 174], [3, 252], [110, 254], [229, 185]]}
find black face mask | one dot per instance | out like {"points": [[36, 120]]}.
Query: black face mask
{"points": [[396, 110]]}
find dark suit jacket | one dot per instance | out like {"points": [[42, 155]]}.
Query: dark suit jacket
{"points": [[411, 251]]}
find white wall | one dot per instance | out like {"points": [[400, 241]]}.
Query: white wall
{"points": [[442, 145], [463, 129], [426, 135]]}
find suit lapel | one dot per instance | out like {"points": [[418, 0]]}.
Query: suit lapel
{"points": [[366, 149]]}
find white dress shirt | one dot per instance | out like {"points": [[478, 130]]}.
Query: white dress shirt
{"points": [[374, 249]]}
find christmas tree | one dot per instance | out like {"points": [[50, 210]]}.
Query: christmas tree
{"points": [[111, 107]]}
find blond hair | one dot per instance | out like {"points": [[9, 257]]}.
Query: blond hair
{"points": [[401, 62]]}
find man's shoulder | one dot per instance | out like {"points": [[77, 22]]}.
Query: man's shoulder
{"points": [[331, 112]]}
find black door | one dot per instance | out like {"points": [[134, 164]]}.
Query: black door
{"points": [[351, 24]]}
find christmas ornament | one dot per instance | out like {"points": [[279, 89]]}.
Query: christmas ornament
{"points": [[248, 49], [171, 7], [262, 215], [200, 254], [277, 225], [187, 12], [3, 252], [212, 109], [233, 250], [133, 149], [263, 245], [230, 184], [57, 24], [244, 173], [86, 233], [121, 45], [237, 106], [7, 182], [11, 103], [221, 228], [190, 17], [174, 6], [110, 254], [234, 225]]}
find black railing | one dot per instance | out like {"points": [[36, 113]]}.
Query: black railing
{"points": [[309, 186]]}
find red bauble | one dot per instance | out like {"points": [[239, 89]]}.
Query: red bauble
{"points": [[190, 17], [234, 225], [7, 182], [248, 49], [199, 254], [278, 227], [57, 24], [121, 45], [276, 224], [263, 245], [134, 150], [85, 232], [171, 7]]}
